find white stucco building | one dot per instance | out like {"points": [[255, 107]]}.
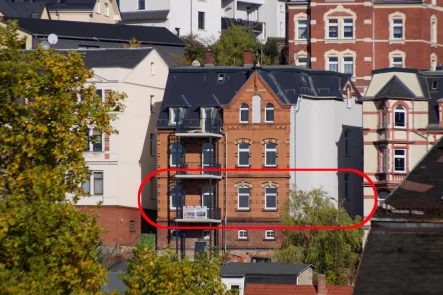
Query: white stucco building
{"points": [[208, 18], [120, 162]]}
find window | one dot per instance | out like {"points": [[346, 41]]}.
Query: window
{"points": [[333, 63], [97, 8], [397, 62], [243, 154], [400, 116], [98, 183], [221, 78], [174, 115], [397, 29], [176, 198], [282, 8], [302, 27], [348, 65], [176, 151], [152, 106], [242, 234], [207, 197], [269, 235], [99, 92], [201, 20], [281, 30], [256, 109], [132, 226], [175, 234], [151, 144], [243, 198], [333, 28], [206, 234], [106, 9], [152, 68], [348, 28], [434, 85], [141, 4], [348, 97], [95, 141], [87, 186], [235, 287], [347, 142], [269, 113], [302, 62], [271, 154], [400, 160], [346, 176], [244, 113], [382, 196], [271, 198], [383, 160]]}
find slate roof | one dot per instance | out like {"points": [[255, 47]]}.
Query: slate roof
{"points": [[104, 32], [195, 87], [289, 289], [70, 4], [434, 94], [114, 57], [145, 15], [11, 9], [238, 269], [395, 88]]}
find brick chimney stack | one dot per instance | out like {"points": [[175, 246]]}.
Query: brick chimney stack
{"points": [[321, 285], [209, 58], [248, 58]]}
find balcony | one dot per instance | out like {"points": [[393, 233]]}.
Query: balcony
{"points": [[199, 174], [199, 214], [256, 26], [199, 128]]}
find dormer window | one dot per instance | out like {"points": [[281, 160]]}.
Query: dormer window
{"points": [[434, 85], [221, 78], [174, 115]]}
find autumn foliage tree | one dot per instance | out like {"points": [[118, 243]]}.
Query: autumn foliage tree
{"points": [[47, 246], [335, 253]]}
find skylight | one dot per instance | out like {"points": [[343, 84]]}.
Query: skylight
{"points": [[221, 78]]}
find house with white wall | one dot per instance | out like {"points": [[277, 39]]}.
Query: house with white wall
{"points": [[119, 162]]}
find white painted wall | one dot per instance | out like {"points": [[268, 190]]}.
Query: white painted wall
{"points": [[273, 13], [318, 129], [130, 158], [235, 281]]}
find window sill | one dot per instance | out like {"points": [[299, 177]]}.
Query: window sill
{"points": [[242, 239], [237, 166], [396, 41], [244, 122], [301, 41], [268, 166], [339, 41], [268, 240], [243, 210], [269, 210]]}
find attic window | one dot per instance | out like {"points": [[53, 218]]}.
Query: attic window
{"points": [[221, 78], [434, 85]]}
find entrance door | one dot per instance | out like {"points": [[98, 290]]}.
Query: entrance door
{"points": [[207, 155]]}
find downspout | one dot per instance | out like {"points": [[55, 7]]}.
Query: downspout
{"points": [[413, 128], [226, 188], [373, 37]]}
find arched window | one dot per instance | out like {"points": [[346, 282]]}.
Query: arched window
{"points": [[244, 113], [269, 113], [400, 116]]}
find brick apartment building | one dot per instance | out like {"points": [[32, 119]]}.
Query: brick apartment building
{"points": [[250, 117], [359, 36], [402, 119]]}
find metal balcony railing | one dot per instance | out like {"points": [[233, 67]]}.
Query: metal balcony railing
{"points": [[200, 125], [200, 166], [199, 212], [256, 26]]}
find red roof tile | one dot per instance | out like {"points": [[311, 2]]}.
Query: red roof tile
{"points": [[340, 290], [266, 289]]}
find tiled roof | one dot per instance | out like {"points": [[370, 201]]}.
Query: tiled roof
{"points": [[340, 290], [267, 289], [145, 15], [242, 269]]}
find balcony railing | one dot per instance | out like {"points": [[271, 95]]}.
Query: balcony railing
{"points": [[194, 125], [254, 25], [191, 165], [193, 213]]}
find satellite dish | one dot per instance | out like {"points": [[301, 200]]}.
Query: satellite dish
{"points": [[52, 39]]}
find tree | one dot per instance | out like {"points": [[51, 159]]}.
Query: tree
{"points": [[194, 50], [168, 274], [271, 54], [47, 245], [229, 49], [132, 44], [334, 253]]}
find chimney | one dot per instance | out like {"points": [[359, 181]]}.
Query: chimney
{"points": [[321, 285], [248, 58], [209, 58]]}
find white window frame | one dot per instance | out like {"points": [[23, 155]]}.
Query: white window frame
{"points": [[329, 63], [329, 25], [243, 194], [343, 25], [91, 144], [172, 119], [402, 109], [91, 182], [302, 26], [394, 25], [348, 63], [243, 151], [170, 200], [270, 150], [301, 64], [241, 234], [271, 194], [206, 233], [175, 234], [242, 108], [269, 108], [98, 7], [269, 235], [393, 62], [282, 8], [170, 155], [400, 157], [151, 103], [107, 11]]}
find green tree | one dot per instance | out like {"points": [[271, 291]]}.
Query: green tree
{"points": [[47, 245], [334, 253], [168, 274], [132, 44], [229, 49], [271, 53]]}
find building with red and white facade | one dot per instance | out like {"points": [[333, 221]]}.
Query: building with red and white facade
{"points": [[357, 36]]}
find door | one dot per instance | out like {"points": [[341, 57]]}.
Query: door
{"points": [[207, 197], [207, 157], [206, 119]]}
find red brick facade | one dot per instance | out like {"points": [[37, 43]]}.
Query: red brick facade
{"points": [[370, 21], [116, 221]]}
